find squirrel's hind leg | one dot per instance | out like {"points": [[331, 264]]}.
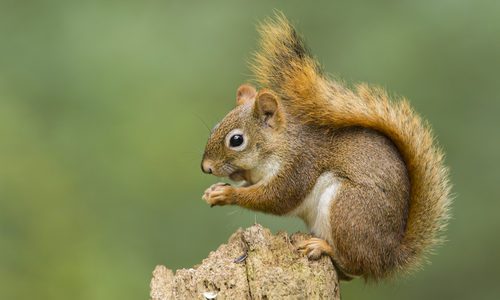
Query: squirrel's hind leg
{"points": [[314, 248]]}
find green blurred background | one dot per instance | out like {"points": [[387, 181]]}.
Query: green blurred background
{"points": [[102, 112]]}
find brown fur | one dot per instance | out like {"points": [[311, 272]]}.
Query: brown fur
{"points": [[393, 200]]}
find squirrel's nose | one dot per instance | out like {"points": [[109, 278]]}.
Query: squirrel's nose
{"points": [[207, 166]]}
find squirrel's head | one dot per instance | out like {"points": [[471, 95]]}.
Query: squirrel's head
{"points": [[242, 145]]}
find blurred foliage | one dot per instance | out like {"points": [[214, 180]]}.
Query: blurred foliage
{"points": [[103, 106]]}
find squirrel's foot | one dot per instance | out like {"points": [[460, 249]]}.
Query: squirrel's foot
{"points": [[314, 248], [219, 194]]}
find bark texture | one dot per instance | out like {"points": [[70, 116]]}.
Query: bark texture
{"points": [[254, 264]]}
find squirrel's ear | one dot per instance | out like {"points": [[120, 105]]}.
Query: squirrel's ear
{"points": [[245, 93], [268, 109]]}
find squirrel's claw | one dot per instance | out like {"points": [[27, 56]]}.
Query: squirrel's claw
{"points": [[314, 248]]}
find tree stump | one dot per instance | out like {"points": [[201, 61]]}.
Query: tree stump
{"points": [[254, 264]]}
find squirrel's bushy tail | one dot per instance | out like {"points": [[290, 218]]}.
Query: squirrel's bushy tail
{"points": [[285, 66]]}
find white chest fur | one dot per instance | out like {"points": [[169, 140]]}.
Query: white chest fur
{"points": [[315, 208]]}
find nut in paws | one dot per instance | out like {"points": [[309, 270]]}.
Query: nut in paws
{"points": [[219, 194]]}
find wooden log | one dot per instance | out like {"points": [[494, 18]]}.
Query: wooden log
{"points": [[254, 264]]}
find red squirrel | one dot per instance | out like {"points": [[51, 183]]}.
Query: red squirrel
{"points": [[361, 170]]}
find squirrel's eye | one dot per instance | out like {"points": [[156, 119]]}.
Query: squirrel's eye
{"points": [[236, 140]]}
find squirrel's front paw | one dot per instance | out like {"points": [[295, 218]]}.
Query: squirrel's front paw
{"points": [[219, 194]]}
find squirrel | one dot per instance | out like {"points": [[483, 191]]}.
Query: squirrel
{"points": [[362, 171]]}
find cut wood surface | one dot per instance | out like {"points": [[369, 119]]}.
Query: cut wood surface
{"points": [[254, 264]]}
